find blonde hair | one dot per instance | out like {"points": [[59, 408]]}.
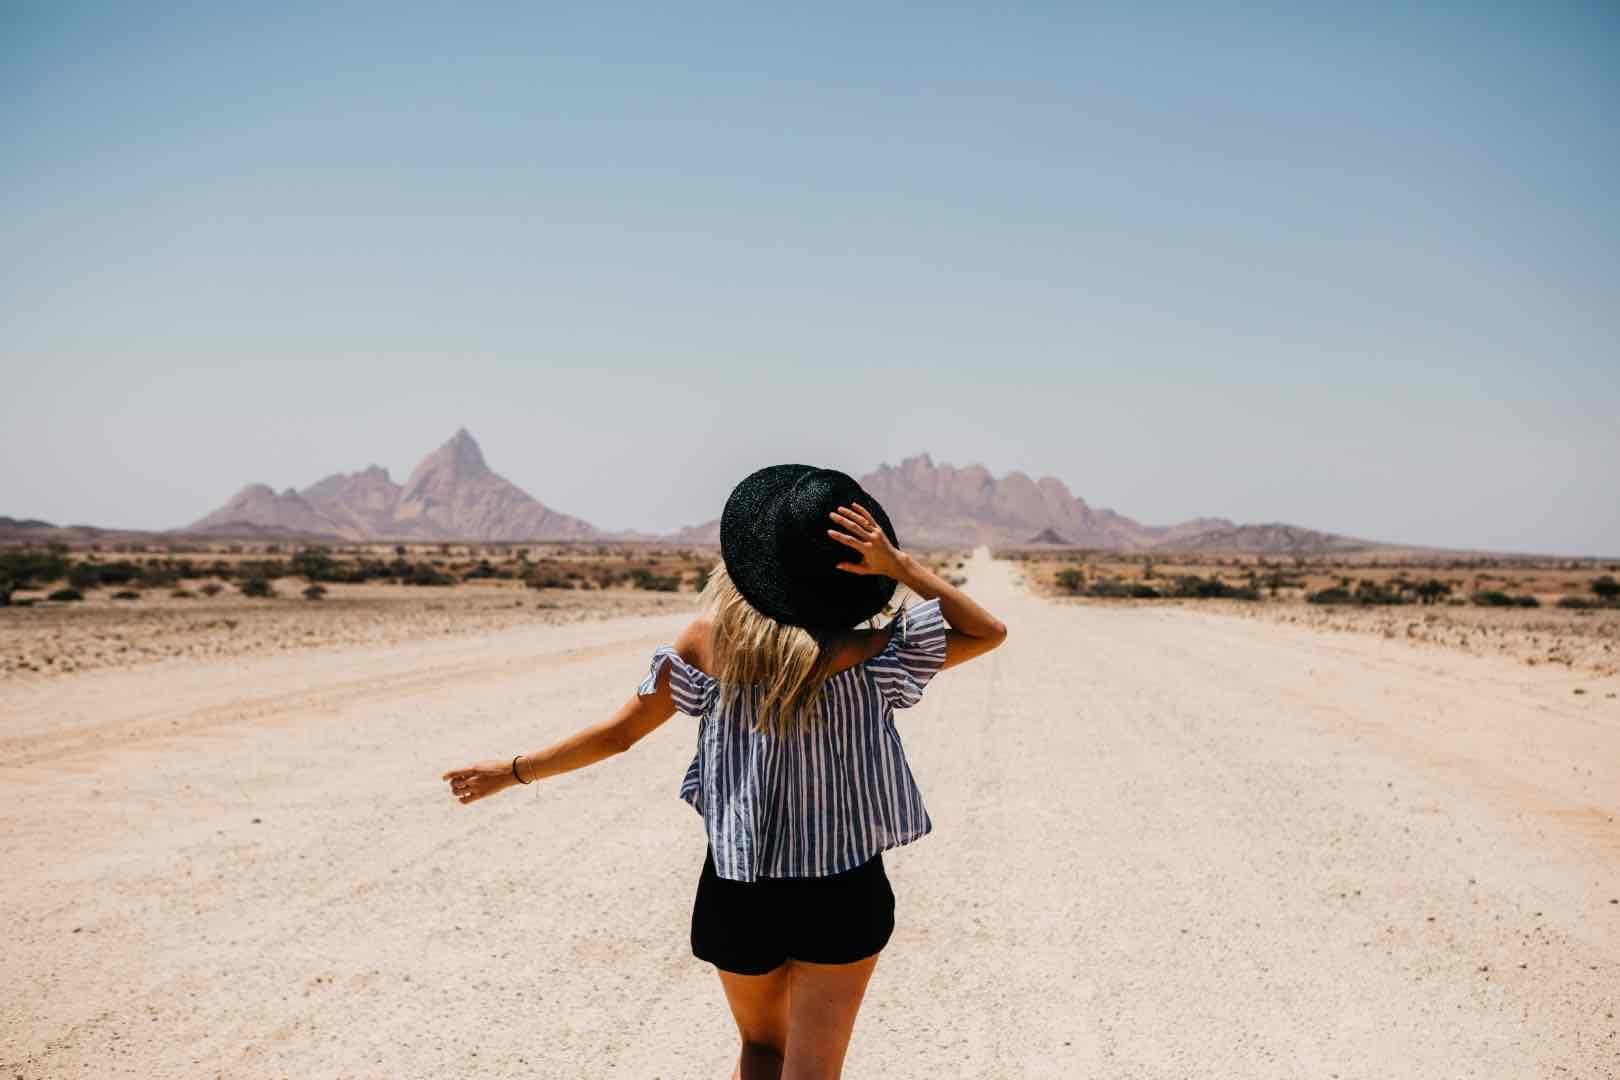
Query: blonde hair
{"points": [[781, 667]]}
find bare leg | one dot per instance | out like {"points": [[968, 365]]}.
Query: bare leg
{"points": [[759, 1003], [823, 1001]]}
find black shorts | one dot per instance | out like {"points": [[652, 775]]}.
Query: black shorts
{"points": [[751, 927]]}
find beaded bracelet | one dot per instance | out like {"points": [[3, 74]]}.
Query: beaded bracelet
{"points": [[515, 775]]}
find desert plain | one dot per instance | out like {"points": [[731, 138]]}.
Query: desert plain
{"points": [[1170, 839]]}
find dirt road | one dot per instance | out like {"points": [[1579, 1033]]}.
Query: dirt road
{"points": [[1167, 844]]}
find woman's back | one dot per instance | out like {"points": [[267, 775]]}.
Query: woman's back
{"points": [[800, 777], [834, 791]]}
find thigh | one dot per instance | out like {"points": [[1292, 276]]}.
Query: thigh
{"points": [[759, 1004], [822, 1002]]}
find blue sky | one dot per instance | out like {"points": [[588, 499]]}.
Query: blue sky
{"points": [[1358, 270]]}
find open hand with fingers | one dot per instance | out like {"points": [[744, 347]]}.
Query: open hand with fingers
{"points": [[476, 781], [866, 536]]}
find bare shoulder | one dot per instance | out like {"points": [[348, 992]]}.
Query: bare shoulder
{"points": [[858, 646], [850, 647], [692, 643]]}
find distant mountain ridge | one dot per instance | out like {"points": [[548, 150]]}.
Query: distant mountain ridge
{"points": [[452, 495], [939, 505]]}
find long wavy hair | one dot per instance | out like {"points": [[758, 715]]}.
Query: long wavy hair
{"points": [[781, 667]]}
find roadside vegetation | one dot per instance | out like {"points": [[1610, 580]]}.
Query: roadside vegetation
{"points": [[254, 571], [1573, 585]]}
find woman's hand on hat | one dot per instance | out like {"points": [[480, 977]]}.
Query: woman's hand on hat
{"points": [[866, 536]]}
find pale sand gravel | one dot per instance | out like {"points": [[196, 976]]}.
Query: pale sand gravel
{"points": [[54, 639], [1584, 641], [1168, 843]]}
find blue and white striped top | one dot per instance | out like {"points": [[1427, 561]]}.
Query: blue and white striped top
{"points": [[832, 795]]}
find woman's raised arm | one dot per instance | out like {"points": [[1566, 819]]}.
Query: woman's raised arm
{"points": [[974, 631]]}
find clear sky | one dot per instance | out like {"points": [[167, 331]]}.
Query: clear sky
{"points": [[1356, 271]]}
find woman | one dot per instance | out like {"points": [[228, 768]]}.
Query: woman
{"points": [[799, 774]]}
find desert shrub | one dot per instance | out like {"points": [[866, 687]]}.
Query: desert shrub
{"points": [[1109, 590], [701, 582], [84, 576], [1431, 591], [483, 569], [1071, 579], [1371, 592], [1333, 595], [156, 576], [257, 587], [213, 588], [66, 595], [23, 567], [183, 594], [269, 569], [1606, 588], [121, 572], [126, 594], [371, 570], [5, 593], [607, 578], [1578, 603], [314, 592], [1123, 590], [1193, 587], [646, 579], [1498, 598], [314, 564], [553, 580], [427, 574], [1276, 581]]}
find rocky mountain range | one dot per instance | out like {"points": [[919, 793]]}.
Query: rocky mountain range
{"points": [[454, 495], [935, 504]]}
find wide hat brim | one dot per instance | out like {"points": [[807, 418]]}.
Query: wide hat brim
{"points": [[773, 538]]}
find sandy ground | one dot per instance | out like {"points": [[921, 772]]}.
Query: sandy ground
{"points": [[1168, 843], [50, 640], [1580, 641]]}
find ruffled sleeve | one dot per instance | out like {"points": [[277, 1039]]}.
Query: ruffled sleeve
{"points": [[691, 690], [912, 656]]}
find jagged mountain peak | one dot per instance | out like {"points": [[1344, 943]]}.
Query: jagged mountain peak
{"points": [[466, 448], [460, 455], [451, 495]]}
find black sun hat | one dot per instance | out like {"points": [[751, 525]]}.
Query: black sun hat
{"points": [[773, 538]]}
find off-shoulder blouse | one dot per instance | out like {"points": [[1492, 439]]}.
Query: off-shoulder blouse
{"points": [[828, 797]]}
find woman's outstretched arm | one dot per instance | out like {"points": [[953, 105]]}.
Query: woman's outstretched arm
{"points": [[634, 720]]}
